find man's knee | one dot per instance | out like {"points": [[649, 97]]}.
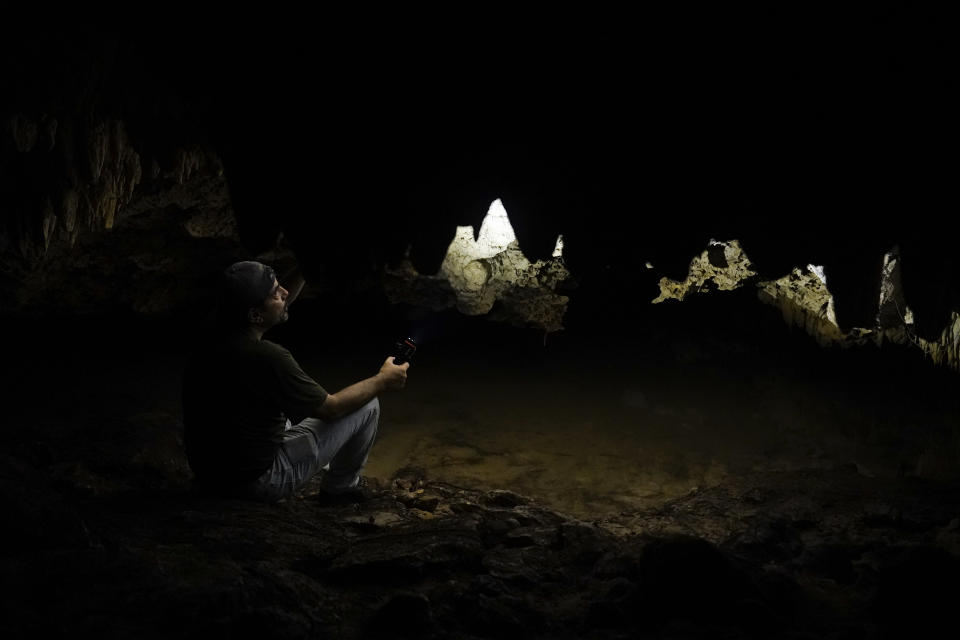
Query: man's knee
{"points": [[369, 415], [366, 417], [373, 408]]}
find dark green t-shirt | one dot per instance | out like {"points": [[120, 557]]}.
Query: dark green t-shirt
{"points": [[238, 393]]}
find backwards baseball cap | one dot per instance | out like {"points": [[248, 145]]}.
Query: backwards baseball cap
{"points": [[248, 283]]}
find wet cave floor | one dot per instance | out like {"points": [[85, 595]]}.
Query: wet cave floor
{"points": [[816, 475], [609, 425]]}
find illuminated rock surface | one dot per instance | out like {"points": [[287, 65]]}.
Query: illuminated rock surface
{"points": [[485, 270], [805, 302], [723, 266], [803, 298]]}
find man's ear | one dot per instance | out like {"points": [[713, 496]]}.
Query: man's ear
{"points": [[254, 316]]}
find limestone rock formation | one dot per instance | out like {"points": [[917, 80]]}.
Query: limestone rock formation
{"points": [[478, 273], [81, 175], [723, 266], [803, 298], [91, 224], [806, 302]]}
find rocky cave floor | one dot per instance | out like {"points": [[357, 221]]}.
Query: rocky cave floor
{"points": [[103, 536]]}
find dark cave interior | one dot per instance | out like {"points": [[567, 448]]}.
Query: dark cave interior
{"points": [[685, 469]]}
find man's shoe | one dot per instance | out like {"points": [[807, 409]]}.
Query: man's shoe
{"points": [[362, 492]]}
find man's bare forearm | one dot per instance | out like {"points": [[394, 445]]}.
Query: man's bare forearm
{"points": [[351, 398], [348, 400]]}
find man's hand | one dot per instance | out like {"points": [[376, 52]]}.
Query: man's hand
{"points": [[394, 376]]}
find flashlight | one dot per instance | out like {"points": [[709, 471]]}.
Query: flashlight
{"points": [[403, 351]]}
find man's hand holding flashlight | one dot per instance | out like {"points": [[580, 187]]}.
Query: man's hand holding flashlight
{"points": [[393, 376]]}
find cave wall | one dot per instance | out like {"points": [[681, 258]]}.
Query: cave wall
{"points": [[824, 155]]}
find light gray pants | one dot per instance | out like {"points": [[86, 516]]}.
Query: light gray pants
{"points": [[344, 444]]}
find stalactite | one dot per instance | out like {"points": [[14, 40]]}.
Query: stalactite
{"points": [[805, 302]]}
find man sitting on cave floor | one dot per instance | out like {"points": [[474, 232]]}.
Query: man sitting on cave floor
{"points": [[256, 425]]}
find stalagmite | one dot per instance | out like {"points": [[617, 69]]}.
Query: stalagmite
{"points": [[489, 269]]}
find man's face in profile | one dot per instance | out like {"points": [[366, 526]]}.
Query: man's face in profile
{"points": [[274, 307]]}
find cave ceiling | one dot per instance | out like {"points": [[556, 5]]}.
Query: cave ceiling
{"points": [[828, 154]]}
